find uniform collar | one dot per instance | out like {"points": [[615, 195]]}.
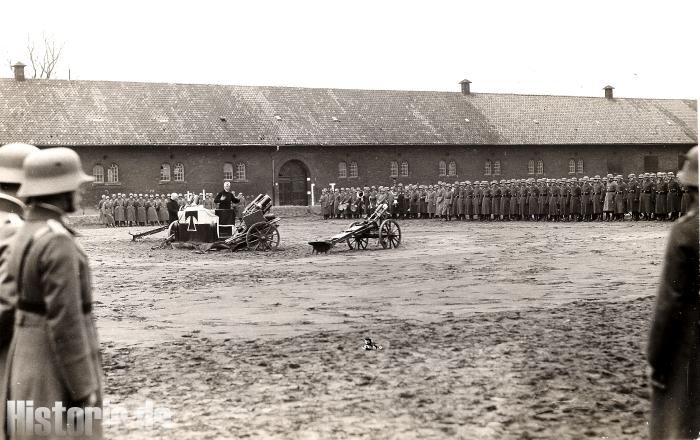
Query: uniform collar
{"points": [[44, 211]]}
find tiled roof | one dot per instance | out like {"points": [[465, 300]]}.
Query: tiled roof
{"points": [[72, 113]]}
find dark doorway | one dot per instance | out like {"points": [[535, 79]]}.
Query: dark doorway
{"points": [[292, 184]]}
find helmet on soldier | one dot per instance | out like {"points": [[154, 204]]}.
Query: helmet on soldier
{"points": [[52, 171], [11, 158]]}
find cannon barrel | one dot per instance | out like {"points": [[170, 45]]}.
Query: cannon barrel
{"points": [[262, 202]]}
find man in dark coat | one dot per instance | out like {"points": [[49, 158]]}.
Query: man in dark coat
{"points": [[675, 334], [173, 208], [225, 199]]}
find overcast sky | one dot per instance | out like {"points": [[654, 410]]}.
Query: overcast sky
{"points": [[642, 48]]}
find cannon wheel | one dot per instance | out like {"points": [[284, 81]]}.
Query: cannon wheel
{"points": [[356, 242], [262, 237], [389, 234]]}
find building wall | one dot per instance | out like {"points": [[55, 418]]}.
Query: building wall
{"points": [[139, 166]]}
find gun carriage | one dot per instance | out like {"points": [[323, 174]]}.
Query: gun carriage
{"points": [[375, 226], [258, 232]]}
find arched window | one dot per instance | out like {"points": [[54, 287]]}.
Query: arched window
{"points": [[487, 168], [452, 170], [404, 169], [165, 172], [572, 166], [394, 169], [579, 166], [113, 173], [228, 171], [540, 167], [179, 172], [98, 172], [497, 168], [353, 169], [240, 172], [342, 170], [531, 167], [442, 168]]}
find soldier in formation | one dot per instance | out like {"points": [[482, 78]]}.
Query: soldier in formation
{"points": [[649, 196]]}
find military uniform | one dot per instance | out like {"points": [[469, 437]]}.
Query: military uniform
{"points": [[476, 200], [646, 198], [609, 203], [674, 338], [439, 200], [447, 202], [553, 193], [533, 201], [620, 200], [430, 201], [673, 198], [54, 355], [468, 201], [485, 202], [633, 193], [10, 222], [576, 201], [495, 199], [660, 211]]}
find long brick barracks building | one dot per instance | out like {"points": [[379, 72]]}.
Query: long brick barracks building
{"points": [[140, 137]]}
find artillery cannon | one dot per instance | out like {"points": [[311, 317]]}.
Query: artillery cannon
{"points": [[375, 226], [258, 232]]}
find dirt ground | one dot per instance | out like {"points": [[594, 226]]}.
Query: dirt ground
{"points": [[488, 330]]}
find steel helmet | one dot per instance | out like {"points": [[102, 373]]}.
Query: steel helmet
{"points": [[11, 158], [52, 171], [688, 175]]}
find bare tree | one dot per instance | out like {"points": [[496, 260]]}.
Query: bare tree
{"points": [[43, 59]]}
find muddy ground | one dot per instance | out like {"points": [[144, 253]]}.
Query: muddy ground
{"points": [[488, 330]]}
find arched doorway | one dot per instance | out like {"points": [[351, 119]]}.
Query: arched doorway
{"points": [[292, 184]]}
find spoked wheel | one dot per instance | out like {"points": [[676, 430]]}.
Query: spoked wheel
{"points": [[358, 242], [262, 237], [389, 234]]}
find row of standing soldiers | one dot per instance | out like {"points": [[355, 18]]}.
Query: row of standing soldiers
{"points": [[648, 196], [150, 209]]}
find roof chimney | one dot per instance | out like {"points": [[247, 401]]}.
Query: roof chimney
{"points": [[608, 91], [465, 86], [19, 70]]}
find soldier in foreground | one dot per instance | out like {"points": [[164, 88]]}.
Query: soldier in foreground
{"points": [[54, 353], [675, 334], [11, 210]]}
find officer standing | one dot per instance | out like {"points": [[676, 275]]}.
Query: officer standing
{"points": [[54, 352], [675, 335]]}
